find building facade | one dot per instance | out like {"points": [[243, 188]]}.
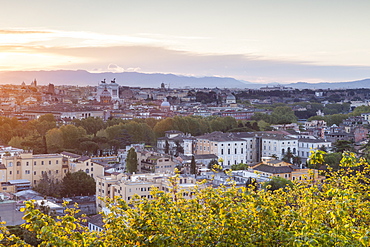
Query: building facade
{"points": [[27, 166]]}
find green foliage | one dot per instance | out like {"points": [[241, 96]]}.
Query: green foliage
{"points": [[341, 146], [195, 125], [279, 115], [91, 125], [360, 109], [77, 184], [277, 183], [240, 166], [71, 134], [48, 186], [331, 119], [306, 213], [131, 161]]}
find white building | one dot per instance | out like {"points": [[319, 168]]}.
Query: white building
{"points": [[305, 145], [231, 149], [366, 116], [112, 88], [174, 139], [278, 145]]}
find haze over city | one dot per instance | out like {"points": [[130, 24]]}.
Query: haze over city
{"points": [[256, 41]]}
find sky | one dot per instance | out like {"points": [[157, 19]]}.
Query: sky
{"points": [[259, 41]]}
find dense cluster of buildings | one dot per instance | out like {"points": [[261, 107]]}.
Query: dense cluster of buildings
{"points": [[262, 151]]}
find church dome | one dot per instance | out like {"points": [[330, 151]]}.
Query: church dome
{"points": [[165, 104], [105, 93], [230, 97]]}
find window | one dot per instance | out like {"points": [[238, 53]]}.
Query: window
{"points": [[222, 151], [34, 163], [235, 151], [10, 164], [228, 151], [42, 162], [10, 172], [49, 172], [18, 163], [92, 169], [27, 163], [34, 173], [49, 162], [87, 163], [87, 170], [56, 171]]}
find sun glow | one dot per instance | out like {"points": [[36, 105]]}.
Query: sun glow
{"points": [[32, 61]]}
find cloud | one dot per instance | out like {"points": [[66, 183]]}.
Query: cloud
{"points": [[115, 68], [13, 31], [116, 53]]}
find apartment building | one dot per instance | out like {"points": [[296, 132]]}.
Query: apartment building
{"points": [[31, 167], [270, 167], [275, 145], [306, 145], [83, 163], [150, 162], [228, 147], [176, 142], [127, 187]]}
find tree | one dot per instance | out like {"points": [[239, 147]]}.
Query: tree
{"points": [[71, 134], [276, 183], [240, 166], [48, 186], [303, 213], [212, 163], [89, 147], [91, 124], [54, 140], [77, 183], [193, 166], [131, 161], [166, 147], [333, 160], [283, 115], [341, 146], [288, 156], [179, 148]]}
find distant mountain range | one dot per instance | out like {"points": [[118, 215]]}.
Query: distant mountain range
{"points": [[135, 79]]}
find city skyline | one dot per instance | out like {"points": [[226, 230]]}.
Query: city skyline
{"points": [[264, 41]]}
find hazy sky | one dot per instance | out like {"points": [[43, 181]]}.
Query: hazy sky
{"points": [[257, 41]]}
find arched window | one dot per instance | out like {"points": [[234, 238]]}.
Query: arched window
{"points": [[283, 151]]}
